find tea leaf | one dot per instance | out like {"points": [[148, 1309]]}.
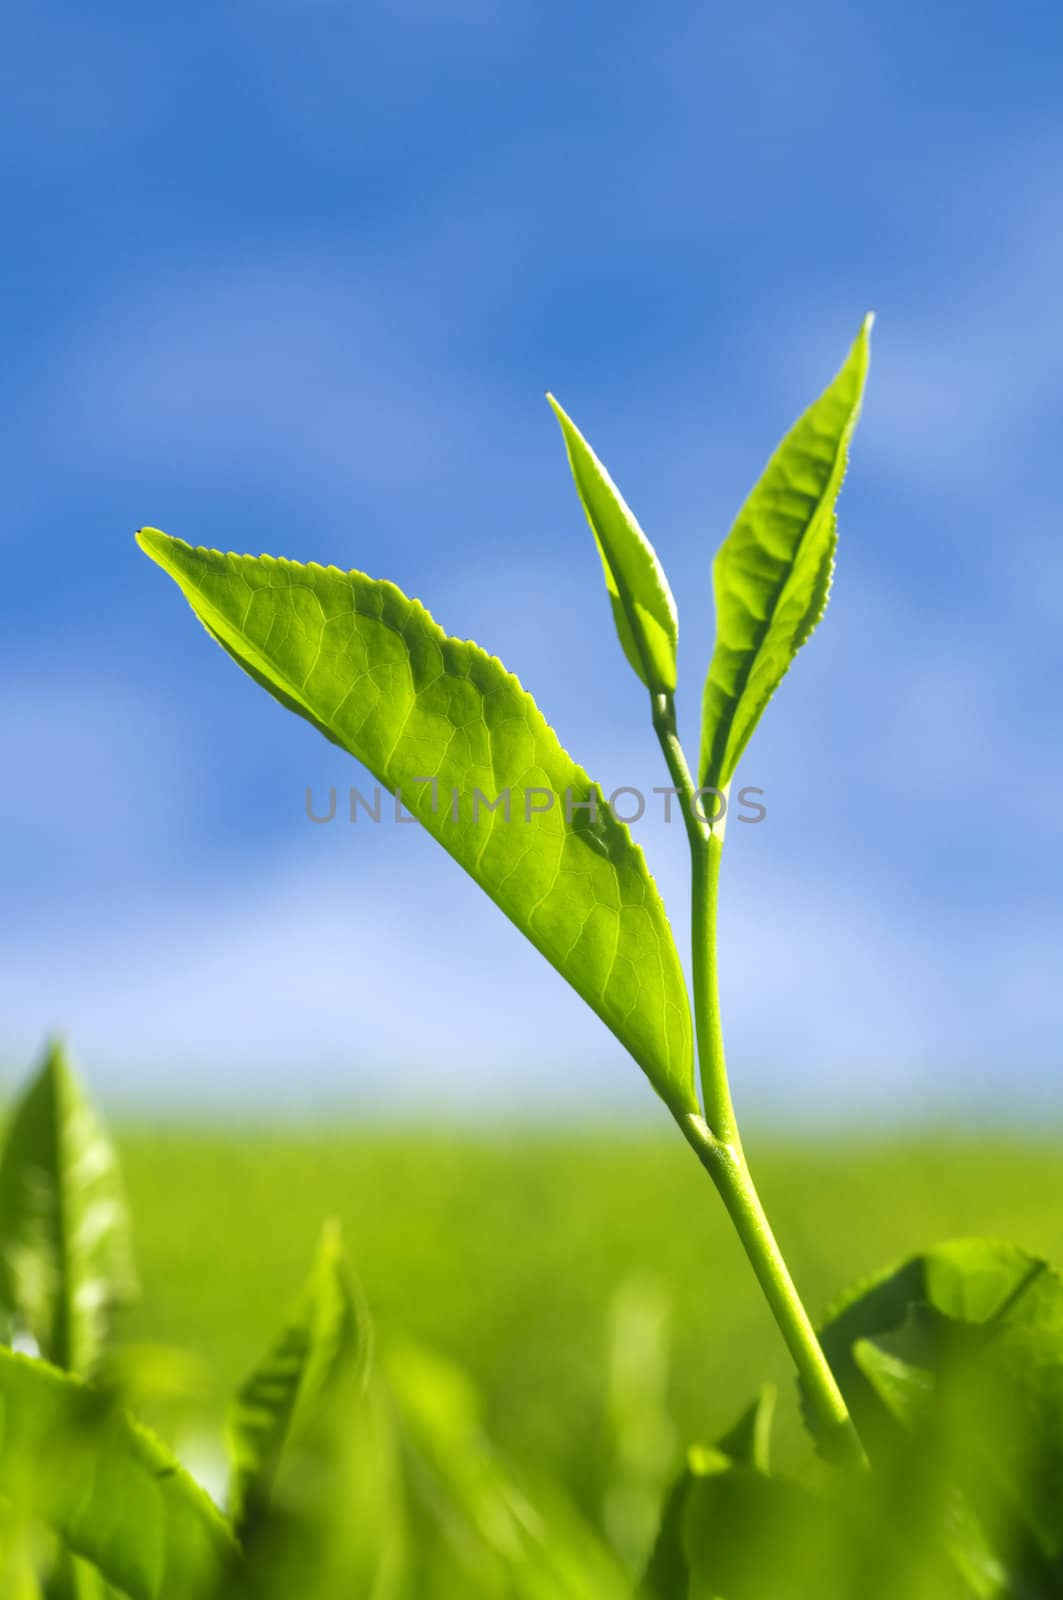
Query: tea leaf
{"points": [[321, 1356], [480, 1530], [749, 1442], [65, 1252], [732, 1530], [374, 673], [772, 575], [746, 1444], [643, 608], [972, 1283], [106, 1486], [748, 1536], [964, 1346]]}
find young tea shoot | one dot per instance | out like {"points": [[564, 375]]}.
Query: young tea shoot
{"points": [[428, 713]]}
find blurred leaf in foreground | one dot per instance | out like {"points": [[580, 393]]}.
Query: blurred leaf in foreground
{"points": [[66, 1258], [105, 1486], [476, 1528], [314, 1489]]}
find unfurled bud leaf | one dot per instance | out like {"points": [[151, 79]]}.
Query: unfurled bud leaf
{"points": [[643, 607]]}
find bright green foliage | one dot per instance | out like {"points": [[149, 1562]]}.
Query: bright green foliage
{"points": [[963, 1348], [65, 1254], [19, 1579], [952, 1365], [377, 676], [749, 1441], [106, 1486], [973, 1283], [320, 1359], [668, 1575], [746, 1445], [643, 608], [773, 572], [747, 1536], [336, 1524], [639, 1439], [731, 1529], [316, 1491], [387, 1485], [543, 1229], [476, 1529]]}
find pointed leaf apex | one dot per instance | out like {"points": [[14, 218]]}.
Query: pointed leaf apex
{"points": [[773, 572], [644, 611], [56, 1049], [152, 541], [330, 1243]]}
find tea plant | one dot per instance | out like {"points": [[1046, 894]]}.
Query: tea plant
{"points": [[933, 1392]]}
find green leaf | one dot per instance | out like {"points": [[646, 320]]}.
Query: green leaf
{"points": [[638, 1441], [748, 1536], [479, 1529], [749, 1442], [372, 671], [929, 1464], [65, 1253], [106, 1486], [643, 608], [316, 1486], [71, 1578], [961, 1349], [320, 1359], [746, 1444], [871, 1306], [905, 1390], [735, 1532], [729, 1530], [969, 1282], [19, 1559], [772, 575]]}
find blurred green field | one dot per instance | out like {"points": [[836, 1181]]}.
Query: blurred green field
{"points": [[507, 1253]]}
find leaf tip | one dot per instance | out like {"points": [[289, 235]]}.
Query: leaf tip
{"points": [[330, 1242], [861, 350], [559, 412], [152, 541]]}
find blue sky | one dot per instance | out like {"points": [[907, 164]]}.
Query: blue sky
{"points": [[294, 277]]}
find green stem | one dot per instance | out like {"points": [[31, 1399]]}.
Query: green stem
{"points": [[715, 1088], [727, 1167], [715, 1138], [705, 850]]}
